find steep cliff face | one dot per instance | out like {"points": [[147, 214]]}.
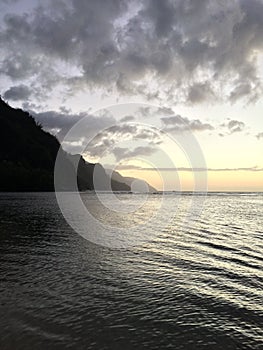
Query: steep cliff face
{"points": [[28, 155]]}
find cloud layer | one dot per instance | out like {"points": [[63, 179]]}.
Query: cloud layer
{"points": [[177, 123], [189, 51], [188, 169]]}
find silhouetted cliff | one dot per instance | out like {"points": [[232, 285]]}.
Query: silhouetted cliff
{"points": [[28, 155], [139, 185]]}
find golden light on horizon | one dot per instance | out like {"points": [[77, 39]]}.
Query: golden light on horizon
{"points": [[232, 180], [239, 180]]}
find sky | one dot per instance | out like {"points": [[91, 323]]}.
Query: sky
{"points": [[168, 91]]}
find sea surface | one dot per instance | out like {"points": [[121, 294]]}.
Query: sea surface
{"points": [[197, 285]]}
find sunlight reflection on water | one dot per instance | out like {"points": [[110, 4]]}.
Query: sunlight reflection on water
{"points": [[194, 288]]}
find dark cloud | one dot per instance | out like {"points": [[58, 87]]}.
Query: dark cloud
{"points": [[200, 92], [61, 122], [19, 66], [190, 51], [56, 120], [17, 93], [177, 123]]}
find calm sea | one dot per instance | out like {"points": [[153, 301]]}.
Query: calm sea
{"points": [[195, 286]]}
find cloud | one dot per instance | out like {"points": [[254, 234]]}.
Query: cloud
{"points": [[178, 124], [19, 66], [188, 51], [106, 141], [8, 1], [127, 118], [99, 134], [126, 153], [239, 91], [102, 133], [200, 92], [232, 126], [132, 131], [235, 126], [16, 93], [154, 111], [259, 136]]}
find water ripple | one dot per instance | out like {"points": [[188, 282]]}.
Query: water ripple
{"points": [[194, 287]]}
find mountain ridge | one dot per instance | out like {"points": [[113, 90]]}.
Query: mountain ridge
{"points": [[28, 155], [136, 184]]}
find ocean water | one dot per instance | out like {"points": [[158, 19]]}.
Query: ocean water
{"points": [[197, 285]]}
